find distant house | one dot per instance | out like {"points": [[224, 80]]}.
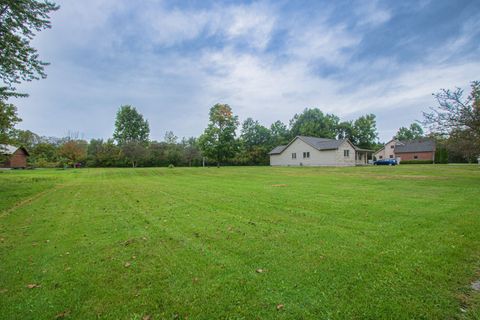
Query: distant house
{"points": [[420, 149], [312, 151], [16, 157]]}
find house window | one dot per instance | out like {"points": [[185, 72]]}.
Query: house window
{"points": [[346, 153], [392, 146], [306, 155], [415, 157], [380, 157], [294, 156], [391, 156]]}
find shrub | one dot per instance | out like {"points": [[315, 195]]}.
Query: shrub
{"points": [[43, 163], [416, 162], [171, 166]]}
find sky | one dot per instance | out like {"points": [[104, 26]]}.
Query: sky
{"points": [[268, 60]]}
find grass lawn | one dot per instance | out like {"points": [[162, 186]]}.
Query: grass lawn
{"points": [[241, 243]]}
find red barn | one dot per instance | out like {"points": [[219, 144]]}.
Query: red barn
{"points": [[16, 157]]}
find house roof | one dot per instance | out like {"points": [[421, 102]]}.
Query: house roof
{"points": [[321, 143], [278, 150], [318, 143], [9, 149], [420, 145]]}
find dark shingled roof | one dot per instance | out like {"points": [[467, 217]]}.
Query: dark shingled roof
{"points": [[422, 145], [277, 150], [322, 143]]}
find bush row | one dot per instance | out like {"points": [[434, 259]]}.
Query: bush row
{"points": [[416, 162]]}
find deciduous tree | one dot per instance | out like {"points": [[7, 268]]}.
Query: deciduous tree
{"points": [[280, 133], [458, 118], [218, 140], [255, 142], [415, 131], [134, 152], [8, 120], [130, 126], [74, 151], [365, 129], [19, 61], [313, 122]]}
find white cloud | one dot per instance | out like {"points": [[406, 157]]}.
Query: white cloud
{"points": [[321, 41], [371, 14], [251, 23]]}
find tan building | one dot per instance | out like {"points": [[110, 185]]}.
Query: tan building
{"points": [[15, 157], [387, 151], [312, 151]]}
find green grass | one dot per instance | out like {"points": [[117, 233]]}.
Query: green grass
{"points": [[334, 243]]}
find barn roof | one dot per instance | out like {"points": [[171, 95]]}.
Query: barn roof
{"points": [[9, 149], [421, 145]]}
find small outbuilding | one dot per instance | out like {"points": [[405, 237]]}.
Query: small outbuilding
{"points": [[13, 157]]}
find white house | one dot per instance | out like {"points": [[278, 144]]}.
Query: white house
{"points": [[312, 151]]}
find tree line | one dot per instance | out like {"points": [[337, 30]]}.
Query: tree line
{"points": [[453, 124], [225, 141]]}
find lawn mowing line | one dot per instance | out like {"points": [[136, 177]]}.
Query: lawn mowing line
{"points": [[345, 225], [281, 207], [30, 199], [182, 236], [241, 217], [311, 213]]}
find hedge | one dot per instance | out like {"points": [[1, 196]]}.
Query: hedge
{"points": [[416, 162]]}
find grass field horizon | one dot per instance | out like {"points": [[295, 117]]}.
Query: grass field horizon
{"points": [[241, 243]]}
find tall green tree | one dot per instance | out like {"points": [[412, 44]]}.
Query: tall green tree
{"points": [[20, 20], [346, 130], [313, 122], [413, 132], [365, 131], [130, 126], [218, 141], [8, 120], [256, 142], [279, 133]]}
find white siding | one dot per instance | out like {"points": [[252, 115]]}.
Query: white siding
{"points": [[317, 158], [341, 160]]}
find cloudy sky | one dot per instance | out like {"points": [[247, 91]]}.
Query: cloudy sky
{"points": [[267, 59]]}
